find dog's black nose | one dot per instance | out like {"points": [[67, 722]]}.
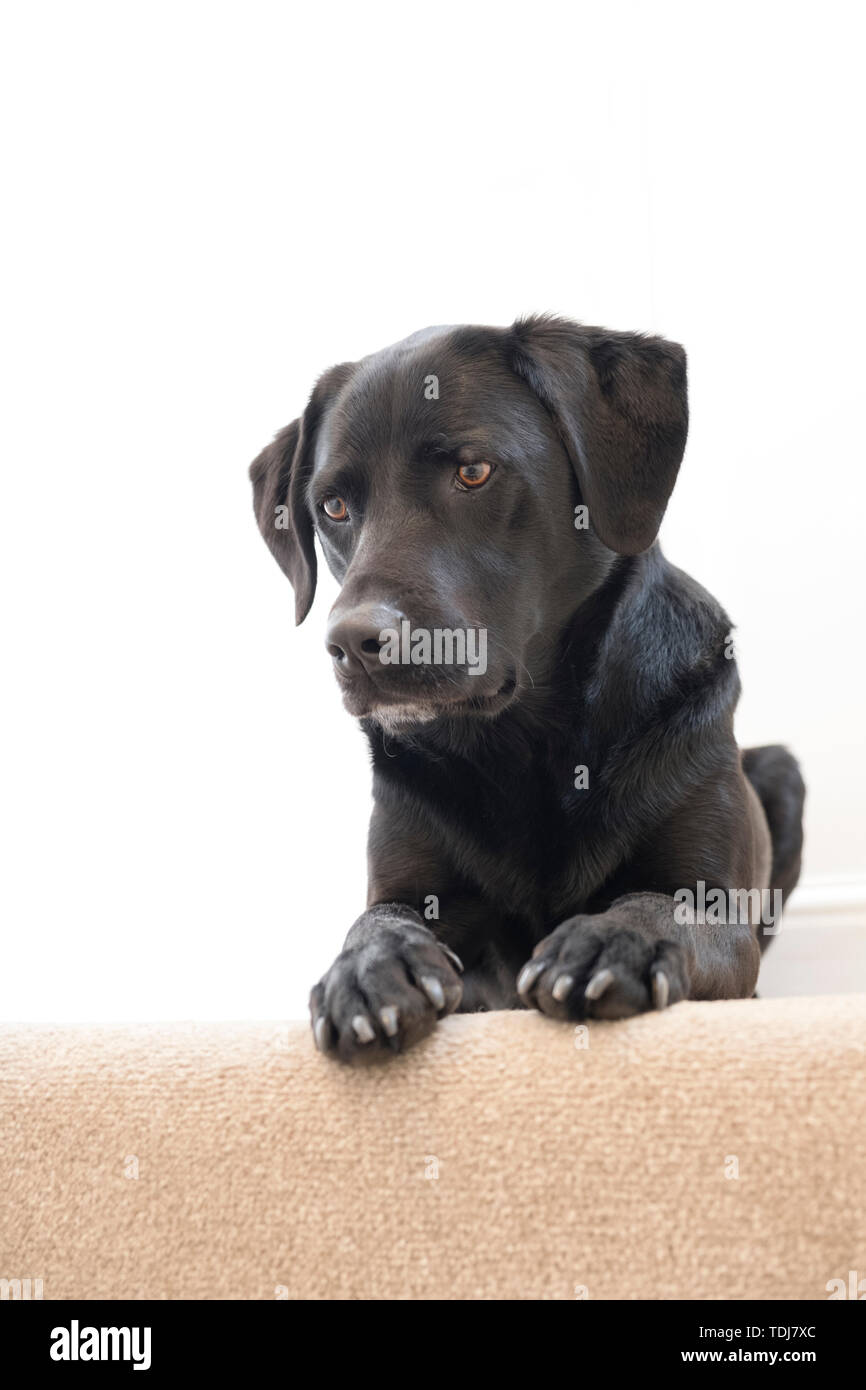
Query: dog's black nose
{"points": [[355, 639]]}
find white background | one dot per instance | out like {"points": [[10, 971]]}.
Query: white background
{"points": [[206, 205]]}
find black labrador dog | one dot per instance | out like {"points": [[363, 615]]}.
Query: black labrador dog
{"points": [[549, 702]]}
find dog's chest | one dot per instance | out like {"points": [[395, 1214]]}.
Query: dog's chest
{"points": [[538, 828], [519, 829]]}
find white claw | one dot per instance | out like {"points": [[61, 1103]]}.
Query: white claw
{"points": [[528, 975], [362, 1028], [452, 956], [563, 987], [321, 1033], [389, 1017], [661, 989], [434, 991], [600, 982]]}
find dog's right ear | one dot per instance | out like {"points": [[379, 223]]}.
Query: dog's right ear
{"points": [[279, 477]]}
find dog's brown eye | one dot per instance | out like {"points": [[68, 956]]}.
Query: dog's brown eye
{"points": [[335, 508], [474, 474]]}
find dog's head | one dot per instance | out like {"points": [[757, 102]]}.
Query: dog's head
{"points": [[470, 488]]}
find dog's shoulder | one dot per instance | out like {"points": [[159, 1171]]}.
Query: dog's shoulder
{"points": [[668, 639]]}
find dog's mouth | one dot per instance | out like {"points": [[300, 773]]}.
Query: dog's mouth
{"points": [[401, 711]]}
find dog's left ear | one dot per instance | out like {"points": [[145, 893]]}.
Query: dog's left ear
{"points": [[620, 405], [279, 476]]}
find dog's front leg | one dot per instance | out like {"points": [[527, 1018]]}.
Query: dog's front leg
{"points": [[391, 982], [634, 957]]}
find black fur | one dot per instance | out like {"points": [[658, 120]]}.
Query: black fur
{"points": [[601, 655]]}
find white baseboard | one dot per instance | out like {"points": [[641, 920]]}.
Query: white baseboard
{"points": [[821, 945], [827, 899]]}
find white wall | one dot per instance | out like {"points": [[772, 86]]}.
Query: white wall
{"points": [[210, 204]]}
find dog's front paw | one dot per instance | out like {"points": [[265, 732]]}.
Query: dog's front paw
{"points": [[385, 994], [589, 969]]}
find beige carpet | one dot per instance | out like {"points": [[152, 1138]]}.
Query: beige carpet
{"points": [[499, 1160]]}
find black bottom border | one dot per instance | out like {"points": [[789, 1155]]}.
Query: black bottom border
{"points": [[226, 1337]]}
